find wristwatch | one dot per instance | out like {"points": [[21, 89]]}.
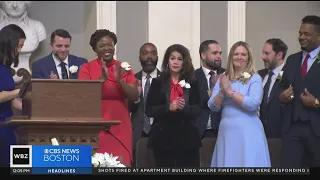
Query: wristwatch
{"points": [[316, 103]]}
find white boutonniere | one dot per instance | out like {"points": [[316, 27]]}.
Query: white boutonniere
{"points": [[125, 66], [279, 77], [105, 160], [184, 84], [244, 77], [73, 69]]}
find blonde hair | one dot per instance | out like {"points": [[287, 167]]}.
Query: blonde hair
{"points": [[250, 64]]}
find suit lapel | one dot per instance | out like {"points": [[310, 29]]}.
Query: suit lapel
{"points": [[298, 78], [71, 63], [203, 80], [220, 71], [158, 73], [314, 68], [263, 73], [139, 77], [52, 66], [274, 90], [186, 95], [167, 86]]}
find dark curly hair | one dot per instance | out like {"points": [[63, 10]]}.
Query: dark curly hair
{"points": [[9, 40], [100, 33], [187, 71]]}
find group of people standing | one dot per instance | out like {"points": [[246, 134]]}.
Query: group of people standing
{"points": [[177, 106]]}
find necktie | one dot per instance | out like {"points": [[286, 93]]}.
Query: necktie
{"points": [[305, 66], [146, 123], [64, 71], [210, 80], [213, 115], [265, 99]]}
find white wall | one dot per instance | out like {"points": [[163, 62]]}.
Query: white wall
{"points": [[173, 22], [284, 24]]}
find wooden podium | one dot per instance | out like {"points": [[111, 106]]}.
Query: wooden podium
{"points": [[68, 110]]}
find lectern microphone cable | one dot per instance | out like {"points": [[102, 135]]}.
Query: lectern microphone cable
{"points": [[108, 130]]}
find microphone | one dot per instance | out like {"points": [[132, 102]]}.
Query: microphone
{"points": [[57, 56]]}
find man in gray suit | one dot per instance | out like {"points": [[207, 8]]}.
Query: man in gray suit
{"points": [[141, 124]]}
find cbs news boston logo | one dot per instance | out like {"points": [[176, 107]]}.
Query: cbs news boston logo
{"points": [[48, 159]]}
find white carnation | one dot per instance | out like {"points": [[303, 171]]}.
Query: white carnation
{"points": [[73, 69]]}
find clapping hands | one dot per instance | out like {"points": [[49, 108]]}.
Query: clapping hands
{"points": [[117, 71], [215, 78], [177, 104], [139, 87], [225, 84]]}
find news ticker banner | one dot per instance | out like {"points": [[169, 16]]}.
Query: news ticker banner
{"points": [[64, 159], [159, 171]]}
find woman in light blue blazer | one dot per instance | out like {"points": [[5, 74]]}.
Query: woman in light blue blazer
{"points": [[241, 140]]}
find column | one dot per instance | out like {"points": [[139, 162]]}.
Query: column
{"points": [[107, 16], [236, 22]]}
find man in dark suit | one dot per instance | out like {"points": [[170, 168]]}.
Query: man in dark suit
{"points": [[59, 64], [301, 94], [271, 113], [207, 75], [141, 124]]}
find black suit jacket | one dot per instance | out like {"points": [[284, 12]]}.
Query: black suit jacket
{"points": [[274, 116], [204, 98], [137, 113], [173, 130], [292, 76]]}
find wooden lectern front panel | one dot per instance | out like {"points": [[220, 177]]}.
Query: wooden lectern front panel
{"points": [[63, 99]]}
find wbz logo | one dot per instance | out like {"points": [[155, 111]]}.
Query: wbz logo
{"points": [[21, 156]]}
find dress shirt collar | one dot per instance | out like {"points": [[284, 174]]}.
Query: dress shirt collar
{"points": [[153, 74], [313, 53], [277, 70], [57, 61], [207, 71]]}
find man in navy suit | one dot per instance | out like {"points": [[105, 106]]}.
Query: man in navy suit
{"points": [[207, 75], [59, 64], [301, 94], [271, 112]]}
